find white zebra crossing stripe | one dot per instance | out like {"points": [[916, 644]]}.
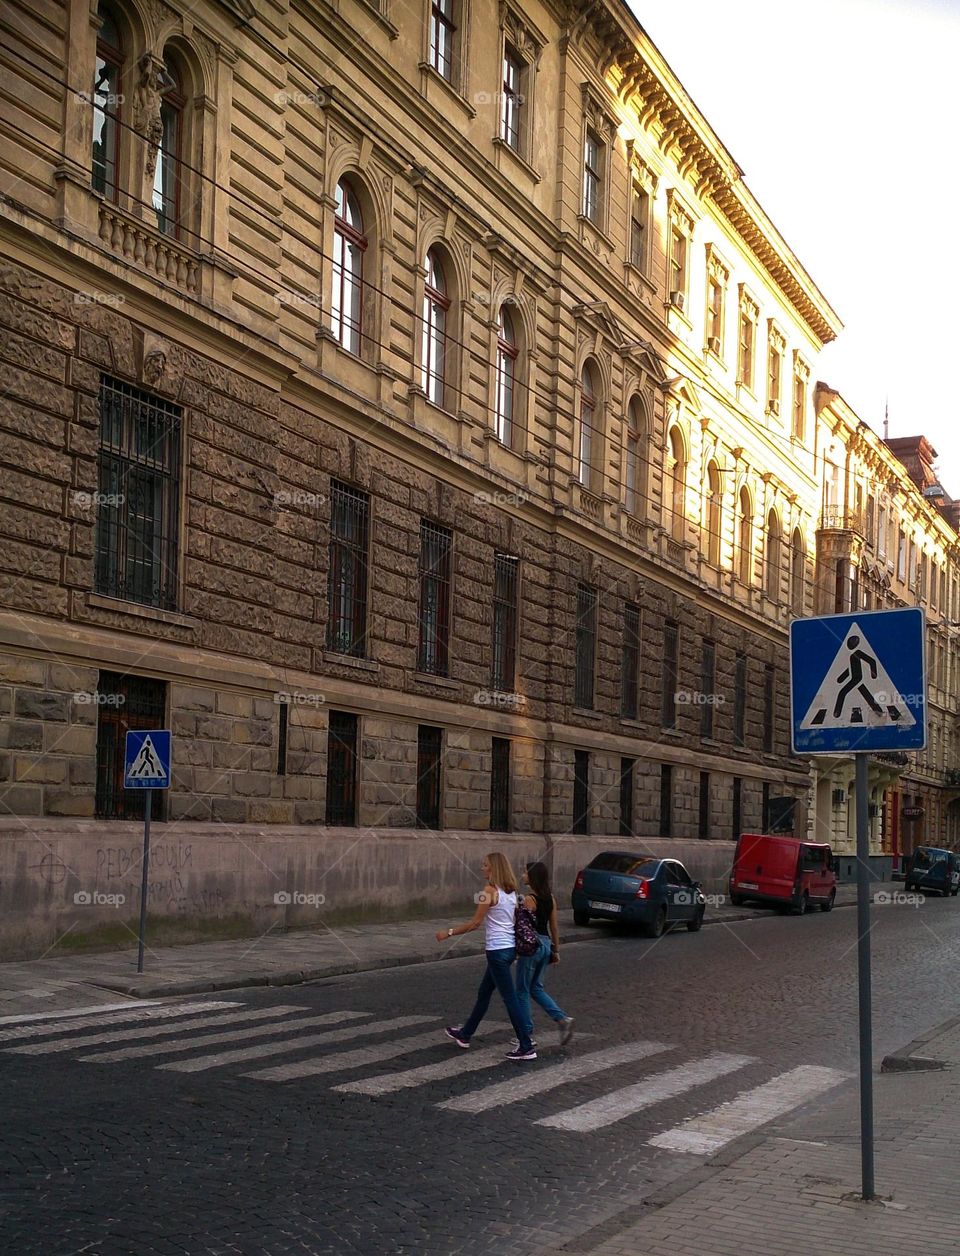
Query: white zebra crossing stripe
{"points": [[707, 1133], [89, 1010], [88, 1021], [536, 1082], [462, 1062], [290, 1044], [344, 1060], [200, 1043], [619, 1104], [82, 1041]]}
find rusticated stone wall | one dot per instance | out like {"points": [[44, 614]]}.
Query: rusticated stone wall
{"points": [[250, 626]]}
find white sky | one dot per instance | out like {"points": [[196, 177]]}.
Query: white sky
{"points": [[845, 118]]}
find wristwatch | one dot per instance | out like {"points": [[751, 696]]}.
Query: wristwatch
{"points": [[449, 933]]}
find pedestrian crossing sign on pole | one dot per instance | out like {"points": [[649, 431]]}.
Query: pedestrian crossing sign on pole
{"points": [[858, 682], [146, 760]]}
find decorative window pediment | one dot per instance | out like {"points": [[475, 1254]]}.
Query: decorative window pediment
{"points": [[717, 268], [597, 114], [527, 40]]}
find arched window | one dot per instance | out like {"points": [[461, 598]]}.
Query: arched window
{"points": [[745, 538], [712, 514], [107, 101], [589, 406], [798, 560], [436, 303], [772, 583], [633, 471], [349, 243], [507, 352], [677, 483], [167, 176]]}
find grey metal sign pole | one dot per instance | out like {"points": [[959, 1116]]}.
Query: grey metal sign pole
{"points": [[144, 875], [863, 977]]}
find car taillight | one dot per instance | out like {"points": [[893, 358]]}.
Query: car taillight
{"points": [[644, 890], [578, 884]]}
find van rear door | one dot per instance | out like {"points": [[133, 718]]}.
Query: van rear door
{"points": [[778, 868]]}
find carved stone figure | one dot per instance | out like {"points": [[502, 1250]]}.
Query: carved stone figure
{"points": [[148, 94]]}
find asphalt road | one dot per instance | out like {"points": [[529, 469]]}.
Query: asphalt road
{"points": [[160, 1141]]}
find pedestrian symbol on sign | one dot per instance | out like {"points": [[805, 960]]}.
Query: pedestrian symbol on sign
{"points": [[146, 766], [857, 691]]}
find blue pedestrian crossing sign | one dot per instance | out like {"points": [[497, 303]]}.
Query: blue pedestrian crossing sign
{"points": [[858, 682], [146, 759]]}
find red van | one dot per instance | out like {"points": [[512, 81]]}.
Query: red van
{"points": [[783, 870]]}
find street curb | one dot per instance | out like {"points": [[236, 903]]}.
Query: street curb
{"points": [[906, 1061], [145, 989]]}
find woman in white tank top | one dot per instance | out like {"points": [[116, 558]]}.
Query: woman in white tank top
{"points": [[496, 911]]}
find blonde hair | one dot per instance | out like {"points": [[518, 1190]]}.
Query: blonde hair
{"points": [[502, 874]]}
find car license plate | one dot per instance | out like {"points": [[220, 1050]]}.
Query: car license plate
{"points": [[747, 885], [605, 906]]}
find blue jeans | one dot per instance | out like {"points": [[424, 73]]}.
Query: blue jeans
{"points": [[498, 977], [530, 970]]}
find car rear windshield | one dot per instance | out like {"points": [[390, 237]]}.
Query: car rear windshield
{"points": [[626, 865], [927, 856]]}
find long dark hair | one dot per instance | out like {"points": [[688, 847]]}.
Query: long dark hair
{"points": [[539, 877]]}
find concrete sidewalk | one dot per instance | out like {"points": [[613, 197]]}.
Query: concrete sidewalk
{"points": [[798, 1188], [59, 982]]}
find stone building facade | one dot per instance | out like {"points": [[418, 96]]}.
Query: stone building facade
{"points": [[888, 539], [413, 410]]}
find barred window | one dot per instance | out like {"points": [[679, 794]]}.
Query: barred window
{"points": [[630, 662], [708, 673], [347, 585], [670, 674], [505, 582], [500, 785], [769, 687], [586, 647], [740, 700], [137, 535], [341, 806], [127, 702], [434, 645]]}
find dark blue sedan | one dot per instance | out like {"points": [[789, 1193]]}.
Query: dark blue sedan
{"points": [[638, 889]]}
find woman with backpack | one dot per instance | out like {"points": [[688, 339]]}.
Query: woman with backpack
{"points": [[496, 911], [530, 968]]}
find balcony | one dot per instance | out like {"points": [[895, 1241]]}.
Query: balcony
{"points": [[839, 519]]}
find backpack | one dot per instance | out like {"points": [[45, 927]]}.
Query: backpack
{"points": [[525, 929]]}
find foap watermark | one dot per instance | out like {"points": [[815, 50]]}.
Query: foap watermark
{"points": [[84, 697], [309, 299], [693, 697], [489, 98], [98, 298], [499, 498], [316, 97], [105, 100], [95, 898], [898, 898], [494, 698], [86, 501], [296, 898], [693, 898], [298, 497], [297, 698]]}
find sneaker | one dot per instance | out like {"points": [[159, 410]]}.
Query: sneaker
{"points": [[454, 1032], [515, 1042], [517, 1054], [566, 1030]]}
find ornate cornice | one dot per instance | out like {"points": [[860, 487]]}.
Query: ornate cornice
{"points": [[631, 67]]}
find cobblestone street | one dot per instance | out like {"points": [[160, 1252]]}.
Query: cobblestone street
{"points": [[335, 1118]]}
